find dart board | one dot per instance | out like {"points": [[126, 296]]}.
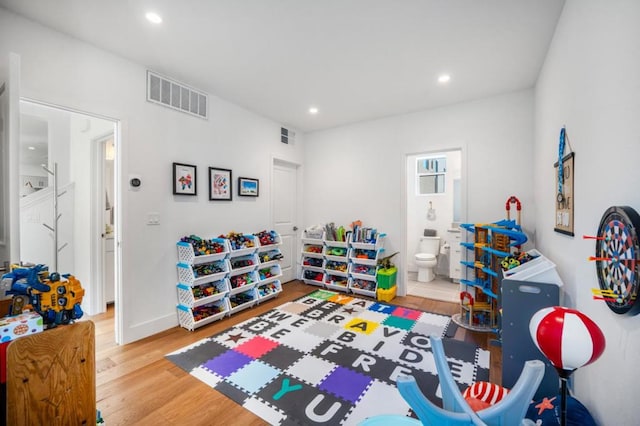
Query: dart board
{"points": [[617, 255]]}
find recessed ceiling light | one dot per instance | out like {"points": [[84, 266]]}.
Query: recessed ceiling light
{"points": [[153, 17], [444, 78], [32, 148], [313, 110]]}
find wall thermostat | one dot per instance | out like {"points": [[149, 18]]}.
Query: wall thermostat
{"points": [[135, 182]]}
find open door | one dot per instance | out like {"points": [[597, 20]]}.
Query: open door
{"points": [[9, 159]]}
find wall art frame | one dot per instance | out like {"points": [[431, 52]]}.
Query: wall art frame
{"points": [[220, 184], [184, 179], [248, 187], [564, 195]]}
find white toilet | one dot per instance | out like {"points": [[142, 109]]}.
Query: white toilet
{"points": [[427, 258]]}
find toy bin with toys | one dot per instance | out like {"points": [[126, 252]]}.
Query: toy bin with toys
{"points": [[242, 282], [243, 300], [202, 294], [191, 318], [268, 290]]}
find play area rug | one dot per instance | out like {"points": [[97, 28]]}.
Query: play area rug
{"points": [[329, 358]]}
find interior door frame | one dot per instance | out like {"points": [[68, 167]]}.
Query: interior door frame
{"points": [[94, 302], [275, 160]]}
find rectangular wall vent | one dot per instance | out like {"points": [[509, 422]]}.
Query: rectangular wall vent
{"points": [[164, 91], [287, 136]]}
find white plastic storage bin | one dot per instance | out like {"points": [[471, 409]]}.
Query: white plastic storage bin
{"points": [[268, 290], [203, 293], [269, 257], [247, 248], [542, 272], [192, 318], [187, 255], [242, 282], [313, 235], [331, 251], [313, 263], [361, 241], [243, 300], [362, 286], [538, 258], [313, 277], [241, 264], [336, 282], [268, 240], [202, 273], [366, 272], [313, 249], [337, 267], [365, 256], [268, 274]]}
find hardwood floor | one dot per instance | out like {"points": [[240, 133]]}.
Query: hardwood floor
{"points": [[137, 385]]}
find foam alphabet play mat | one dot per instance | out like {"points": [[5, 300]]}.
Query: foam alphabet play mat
{"points": [[329, 358]]}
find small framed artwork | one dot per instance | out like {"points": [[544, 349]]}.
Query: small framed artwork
{"points": [[564, 195], [220, 184], [248, 187], [184, 179]]}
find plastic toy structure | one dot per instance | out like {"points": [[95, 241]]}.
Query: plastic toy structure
{"points": [[492, 243], [56, 297]]}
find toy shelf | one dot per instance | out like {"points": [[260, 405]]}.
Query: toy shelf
{"points": [[241, 251], [202, 294], [268, 290], [365, 287], [269, 257], [269, 274], [365, 256], [274, 241], [238, 302], [242, 282], [245, 263], [313, 263], [192, 318], [365, 272], [336, 282], [192, 274], [186, 253], [311, 277]]}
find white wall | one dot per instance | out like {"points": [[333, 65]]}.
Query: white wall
{"points": [[63, 71], [591, 83], [358, 171]]}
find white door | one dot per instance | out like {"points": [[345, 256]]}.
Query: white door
{"points": [[9, 158], [285, 214]]}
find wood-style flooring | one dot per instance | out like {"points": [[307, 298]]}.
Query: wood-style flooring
{"points": [[136, 385]]}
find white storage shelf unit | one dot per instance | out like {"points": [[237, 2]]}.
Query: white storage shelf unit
{"points": [[208, 284], [342, 265]]}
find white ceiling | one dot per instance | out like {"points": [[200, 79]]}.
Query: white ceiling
{"points": [[353, 59]]}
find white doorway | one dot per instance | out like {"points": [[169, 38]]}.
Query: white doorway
{"points": [[75, 142], [285, 192], [434, 206]]}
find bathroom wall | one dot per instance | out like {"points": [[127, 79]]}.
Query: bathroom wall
{"points": [[442, 204]]}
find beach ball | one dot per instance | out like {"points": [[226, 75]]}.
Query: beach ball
{"points": [[567, 337]]}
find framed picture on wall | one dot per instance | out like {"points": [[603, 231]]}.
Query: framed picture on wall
{"points": [[248, 187], [220, 184], [564, 195], [184, 179]]}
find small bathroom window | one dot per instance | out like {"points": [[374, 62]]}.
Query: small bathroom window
{"points": [[430, 174]]}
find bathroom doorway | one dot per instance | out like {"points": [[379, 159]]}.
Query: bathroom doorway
{"points": [[434, 208]]}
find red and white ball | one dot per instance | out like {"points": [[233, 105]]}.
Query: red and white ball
{"points": [[567, 337]]}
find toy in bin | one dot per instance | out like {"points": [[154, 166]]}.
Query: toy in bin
{"points": [[55, 297]]}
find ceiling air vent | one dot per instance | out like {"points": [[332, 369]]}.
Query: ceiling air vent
{"points": [[170, 93], [287, 136]]}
